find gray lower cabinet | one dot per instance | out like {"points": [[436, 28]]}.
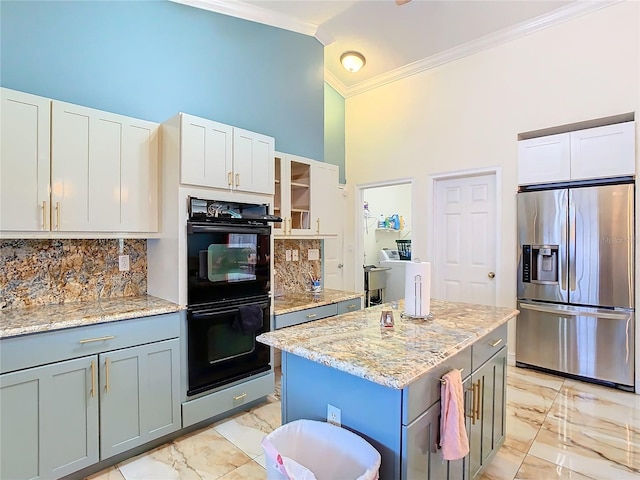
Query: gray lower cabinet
{"points": [[487, 429], [139, 393], [49, 422], [70, 414], [347, 306], [422, 440], [316, 313], [484, 408]]}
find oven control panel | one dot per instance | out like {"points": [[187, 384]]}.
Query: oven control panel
{"points": [[202, 210]]}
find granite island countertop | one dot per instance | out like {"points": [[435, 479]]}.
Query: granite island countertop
{"points": [[295, 301], [356, 343], [44, 318]]}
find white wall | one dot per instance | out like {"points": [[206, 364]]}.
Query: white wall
{"points": [[467, 114], [385, 200]]}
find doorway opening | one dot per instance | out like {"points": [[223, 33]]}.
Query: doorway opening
{"points": [[383, 224]]}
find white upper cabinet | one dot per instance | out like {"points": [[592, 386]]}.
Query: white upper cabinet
{"points": [[603, 151], [139, 195], [544, 159], [599, 152], [253, 161], [68, 168], [325, 198], [104, 172], [305, 197], [24, 161], [206, 152], [216, 155]]}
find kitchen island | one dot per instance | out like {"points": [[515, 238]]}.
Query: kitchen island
{"points": [[386, 381]]}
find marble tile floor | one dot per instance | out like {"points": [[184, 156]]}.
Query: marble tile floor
{"points": [[556, 429]]}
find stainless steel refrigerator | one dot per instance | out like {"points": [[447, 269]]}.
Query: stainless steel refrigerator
{"points": [[576, 281]]}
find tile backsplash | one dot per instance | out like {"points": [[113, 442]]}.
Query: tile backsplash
{"points": [[40, 272], [294, 276]]}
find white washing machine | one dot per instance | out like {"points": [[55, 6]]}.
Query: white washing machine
{"points": [[395, 276]]}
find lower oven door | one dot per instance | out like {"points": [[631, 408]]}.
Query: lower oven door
{"points": [[222, 345]]}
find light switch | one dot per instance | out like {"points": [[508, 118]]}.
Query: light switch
{"points": [[287, 255], [295, 255], [314, 254]]}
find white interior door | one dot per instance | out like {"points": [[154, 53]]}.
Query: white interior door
{"points": [[333, 247], [465, 250]]}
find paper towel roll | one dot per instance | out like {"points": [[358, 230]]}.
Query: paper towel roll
{"points": [[417, 289]]}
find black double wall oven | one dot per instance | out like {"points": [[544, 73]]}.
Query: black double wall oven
{"points": [[228, 306]]}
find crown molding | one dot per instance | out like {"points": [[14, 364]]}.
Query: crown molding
{"points": [[560, 15], [336, 84], [254, 13]]}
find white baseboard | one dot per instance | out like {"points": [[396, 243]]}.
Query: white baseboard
{"points": [[511, 359]]}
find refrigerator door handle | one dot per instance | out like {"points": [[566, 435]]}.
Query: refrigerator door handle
{"points": [[575, 313], [572, 244]]}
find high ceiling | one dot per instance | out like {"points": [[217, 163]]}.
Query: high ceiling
{"points": [[398, 40]]}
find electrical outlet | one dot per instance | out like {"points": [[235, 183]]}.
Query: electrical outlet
{"points": [[295, 255], [287, 255], [333, 415], [314, 254], [123, 263]]}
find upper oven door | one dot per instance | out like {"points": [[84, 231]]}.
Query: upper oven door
{"points": [[227, 261]]}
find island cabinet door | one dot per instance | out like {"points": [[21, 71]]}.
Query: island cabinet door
{"points": [[49, 425], [422, 459], [459, 469], [139, 398], [488, 405]]}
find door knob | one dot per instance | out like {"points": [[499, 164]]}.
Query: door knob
{"points": [[340, 265], [491, 275]]}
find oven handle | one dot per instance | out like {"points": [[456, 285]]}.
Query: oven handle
{"points": [[209, 313], [213, 312], [200, 228]]}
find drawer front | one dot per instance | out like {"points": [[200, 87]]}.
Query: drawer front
{"points": [[347, 306], [488, 346], [225, 400], [302, 316], [419, 395], [47, 347]]}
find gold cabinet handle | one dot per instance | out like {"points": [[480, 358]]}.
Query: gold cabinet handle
{"points": [[318, 229], [496, 343], [237, 179], [107, 362], [352, 306], [471, 413], [58, 215], [93, 378], [239, 397], [312, 315], [44, 215], [478, 399], [230, 179], [98, 339]]}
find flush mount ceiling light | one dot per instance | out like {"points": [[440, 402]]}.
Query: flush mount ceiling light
{"points": [[352, 61]]}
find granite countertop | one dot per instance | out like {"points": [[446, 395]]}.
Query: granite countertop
{"points": [[356, 343], [44, 318], [292, 302]]}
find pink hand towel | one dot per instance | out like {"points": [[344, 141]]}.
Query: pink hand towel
{"points": [[453, 436]]}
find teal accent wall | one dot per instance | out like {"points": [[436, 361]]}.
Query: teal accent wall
{"points": [[153, 59], [334, 136]]}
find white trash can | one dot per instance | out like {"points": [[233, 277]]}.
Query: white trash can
{"points": [[313, 450]]}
